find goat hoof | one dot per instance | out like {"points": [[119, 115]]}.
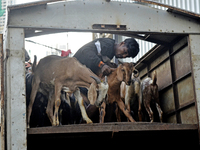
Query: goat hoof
{"points": [[89, 121], [54, 124]]}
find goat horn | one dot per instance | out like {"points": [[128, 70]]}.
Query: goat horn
{"points": [[98, 81], [106, 80]]}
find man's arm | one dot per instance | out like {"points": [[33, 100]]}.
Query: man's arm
{"points": [[93, 60], [90, 58]]}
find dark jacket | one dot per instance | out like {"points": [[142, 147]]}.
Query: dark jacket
{"points": [[88, 54]]}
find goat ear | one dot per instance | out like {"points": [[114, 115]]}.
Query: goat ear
{"points": [[119, 73], [92, 93]]}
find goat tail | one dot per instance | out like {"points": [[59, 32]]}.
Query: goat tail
{"points": [[34, 64], [154, 78]]}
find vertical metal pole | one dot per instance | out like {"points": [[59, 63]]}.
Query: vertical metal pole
{"points": [[116, 41], [2, 138], [15, 100], [194, 46]]}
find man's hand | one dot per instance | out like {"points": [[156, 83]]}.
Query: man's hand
{"points": [[106, 70], [27, 65]]}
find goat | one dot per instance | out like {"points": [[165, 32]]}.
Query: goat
{"points": [[38, 117], [132, 93], [55, 73], [121, 73], [149, 93]]}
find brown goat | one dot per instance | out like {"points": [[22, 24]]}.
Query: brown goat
{"points": [[121, 73], [149, 93], [53, 74], [131, 93]]}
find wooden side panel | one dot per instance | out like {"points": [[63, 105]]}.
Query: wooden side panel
{"points": [[174, 79]]}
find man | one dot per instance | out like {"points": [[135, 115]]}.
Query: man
{"points": [[96, 53]]}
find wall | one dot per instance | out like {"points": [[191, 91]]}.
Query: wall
{"points": [[174, 79]]}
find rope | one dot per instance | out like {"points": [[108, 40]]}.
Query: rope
{"points": [[44, 45]]}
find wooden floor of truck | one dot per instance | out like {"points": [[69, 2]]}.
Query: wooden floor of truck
{"points": [[125, 134]]}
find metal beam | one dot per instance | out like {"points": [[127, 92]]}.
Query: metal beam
{"points": [[15, 98], [100, 16], [195, 59]]}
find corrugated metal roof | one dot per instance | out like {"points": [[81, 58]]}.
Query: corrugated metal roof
{"points": [[44, 2], [173, 9]]}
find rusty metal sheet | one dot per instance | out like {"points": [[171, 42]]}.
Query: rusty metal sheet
{"points": [[159, 59], [179, 44], [189, 116], [172, 119], [182, 63], [167, 100], [185, 90], [164, 75], [143, 72]]}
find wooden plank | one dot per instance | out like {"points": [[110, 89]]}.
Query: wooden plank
{"points": [[112, 127]]}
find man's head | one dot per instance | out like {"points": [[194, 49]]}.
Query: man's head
{"points": [[127, 48]]}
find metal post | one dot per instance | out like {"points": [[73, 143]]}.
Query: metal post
{"points": [[15, 90], [194, 46], [116, 41], [2, 137]]}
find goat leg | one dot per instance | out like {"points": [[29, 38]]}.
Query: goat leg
{"points": [[139, 111], [49, 110], [118, 113], [124, 110], [158, 105], [102, 112], [140, 103], [159, 111], [79, 98], [127, 98], [35, 87], [150, 112], [58, 88], [55, 117]]}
